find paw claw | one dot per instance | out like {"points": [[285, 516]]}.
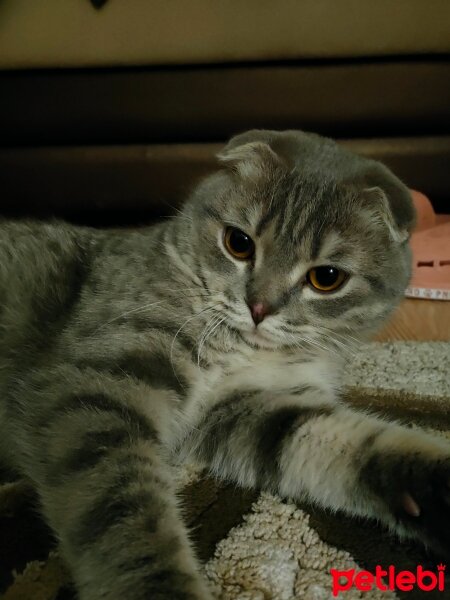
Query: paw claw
{"points": [[410, 505]]}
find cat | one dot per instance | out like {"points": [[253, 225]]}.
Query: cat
{"points": [[219, 336]]}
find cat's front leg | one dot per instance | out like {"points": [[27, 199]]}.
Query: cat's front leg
{"points": [[302, 446], [91, 448]]}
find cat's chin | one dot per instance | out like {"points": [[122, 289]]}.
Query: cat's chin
{"points": [[258, 339]]}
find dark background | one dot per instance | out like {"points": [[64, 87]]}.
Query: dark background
{"points": [[123, 145]]}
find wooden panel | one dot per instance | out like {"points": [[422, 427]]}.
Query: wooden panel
{"points": [[422, 320]]}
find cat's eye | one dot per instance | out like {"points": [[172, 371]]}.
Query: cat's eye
{"points": [[239, 244], [326, 278]]}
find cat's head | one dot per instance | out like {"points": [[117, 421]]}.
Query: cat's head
{"points": [[300, 240]]}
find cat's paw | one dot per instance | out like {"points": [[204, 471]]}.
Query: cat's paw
{"points": [[414, 487]]}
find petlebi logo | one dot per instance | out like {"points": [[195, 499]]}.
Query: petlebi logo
{"points": [[389, 578]]}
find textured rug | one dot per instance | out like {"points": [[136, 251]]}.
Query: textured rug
{"points": [[254, 546]]}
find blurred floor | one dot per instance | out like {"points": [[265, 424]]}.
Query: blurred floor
{"points": [[421, 320]]}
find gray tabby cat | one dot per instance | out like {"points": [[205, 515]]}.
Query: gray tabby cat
{"points": [[219, 336]]}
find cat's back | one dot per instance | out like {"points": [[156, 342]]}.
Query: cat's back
{"points": [[32, 255], [41, 266]]}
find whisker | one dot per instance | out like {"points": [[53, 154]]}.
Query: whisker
{"points": [[215, 327], [142, 308], [126, 313], [211, 325], [180, 329], [345, 343], [179, 212], [328, 338]]}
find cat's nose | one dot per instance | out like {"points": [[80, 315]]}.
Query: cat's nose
{"points": [[259, 310]]}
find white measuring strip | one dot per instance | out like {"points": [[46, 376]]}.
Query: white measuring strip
{"points": [[427, 293]]}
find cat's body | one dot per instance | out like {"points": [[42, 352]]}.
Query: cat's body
{"points": [[121, 352]]}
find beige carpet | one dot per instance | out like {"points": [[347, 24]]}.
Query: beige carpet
{"points": [[255, 546]]}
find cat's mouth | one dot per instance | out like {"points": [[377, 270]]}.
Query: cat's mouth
{"points": [[257, 337]]}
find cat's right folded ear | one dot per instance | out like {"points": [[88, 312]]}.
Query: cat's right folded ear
{"points": [[391, 199], [250, 155]]}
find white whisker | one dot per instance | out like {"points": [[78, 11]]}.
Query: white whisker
{"points": [[211, 325], [181, 328], [145, 307]]}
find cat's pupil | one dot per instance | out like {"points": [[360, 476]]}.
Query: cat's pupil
{"points": [[240, 242], [327, 276]]}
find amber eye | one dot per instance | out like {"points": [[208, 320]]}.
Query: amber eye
{"points": [[326, 278], [238, 243]]}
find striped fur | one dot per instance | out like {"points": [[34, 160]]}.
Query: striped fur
{"points": [[122, 352]]}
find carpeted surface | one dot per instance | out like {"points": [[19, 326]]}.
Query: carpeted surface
{"points": [[421, 368], [256, 546]]}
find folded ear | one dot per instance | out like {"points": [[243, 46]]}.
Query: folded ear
{"points": [[265, 136], [250, 154], [250, 160], [392, 198], [379, 209]]}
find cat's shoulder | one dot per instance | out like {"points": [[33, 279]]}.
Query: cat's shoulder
{"points": [[34, 252]]}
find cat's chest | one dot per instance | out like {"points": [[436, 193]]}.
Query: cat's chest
{"points": [[261, 371], [267, 371]]}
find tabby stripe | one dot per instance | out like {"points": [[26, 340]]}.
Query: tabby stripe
{"points": [[376, 476], [153, 567], [335, 307], [153, 368], [168, 583], [146, 323], [154, 560], [137, 424], [130, 472], [211, 212], [220, 421], [203, 281], [369, 441], [110, 510], [367, 463], [239, 412], [275, 429], [53, 310], [94, 447], [267, 219]]}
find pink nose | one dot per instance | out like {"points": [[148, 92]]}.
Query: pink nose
{"points": [[259, 310]]}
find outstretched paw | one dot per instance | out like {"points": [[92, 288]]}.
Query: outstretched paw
{"points": [[415, 489]]}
